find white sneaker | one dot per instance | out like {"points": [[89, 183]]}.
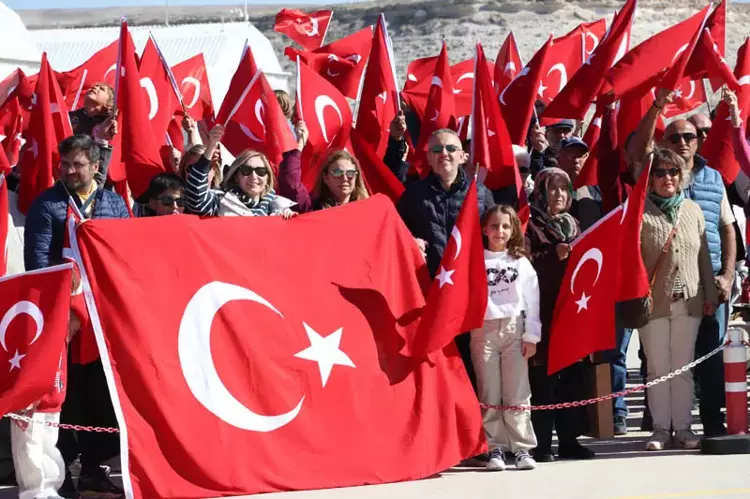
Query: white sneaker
{"points": [[497, 460], [687, 439], [658, 440], [524, 461]]}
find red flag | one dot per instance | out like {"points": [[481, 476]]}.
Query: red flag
{"points": [[491, 147], [196, 92], [98, 68], [518, 98], [440, 112], [298, 381], [680, 62], [12, 123], [5, 166], [34, 307], [378, 177], [584, 318], [140, 148], [379, 101], [718, 149], [18, 85], [49, 124], [508, 63], [644, 65], [259, 123], [574, 100], [457, 301], [588, 174], [419, 70], [4, 224], [716, 24], [308, 30], [83, 349], [592, 34], [327, 115], [688, 95], [341, 62], [243, 76], [712, 60], [157, 86]]}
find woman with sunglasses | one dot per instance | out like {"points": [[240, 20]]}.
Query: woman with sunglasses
{"points": [[338, 182], [247, 189], [675, 254], [165, 196]]}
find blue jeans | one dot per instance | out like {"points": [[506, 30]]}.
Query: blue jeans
{"points": [[619, 370], [710, 374]]}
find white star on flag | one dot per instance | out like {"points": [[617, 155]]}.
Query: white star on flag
{"points": [[678, 93], [583, 302], [15, 362], [325, 351], [541, 90], [444, 276]]}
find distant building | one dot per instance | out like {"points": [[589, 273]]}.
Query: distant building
{"points": [[17, 47], [221, 44]]}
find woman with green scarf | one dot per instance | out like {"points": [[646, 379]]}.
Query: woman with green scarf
{"points": [[675, 254], [550, 232]]}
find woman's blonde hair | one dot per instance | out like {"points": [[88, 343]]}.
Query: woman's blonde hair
{"points": [[241, 160], [197, 151], [663, 157], [285, 102], [323, 194], [516, 244]]}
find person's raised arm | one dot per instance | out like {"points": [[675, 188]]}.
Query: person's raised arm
{"points": [[191, 129], [642, 142], [397, 148], [290, 172], [200, 199]]}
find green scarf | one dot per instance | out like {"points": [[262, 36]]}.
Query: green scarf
{"points": [[670, 206]]}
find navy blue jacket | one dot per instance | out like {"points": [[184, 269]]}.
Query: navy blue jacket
{"points": [[45, 223], [430, 212]]}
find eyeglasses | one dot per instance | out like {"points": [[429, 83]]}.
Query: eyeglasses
{"points": [[437, 149], [338, 173], [663, 172], [702, 132], [688, 137], [169, 201], [65, 165], [260, 171]]}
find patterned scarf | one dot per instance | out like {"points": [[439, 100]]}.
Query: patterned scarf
{"points": [[260, 208]]}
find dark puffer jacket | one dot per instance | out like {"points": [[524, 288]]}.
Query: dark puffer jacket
{"points": [[430, 212], [45, 223]]}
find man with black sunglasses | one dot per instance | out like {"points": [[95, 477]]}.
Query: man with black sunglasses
{"points": [[702, 124], [707, 189]]}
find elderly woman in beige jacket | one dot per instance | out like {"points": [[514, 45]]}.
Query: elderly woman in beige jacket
{"points": [[683, 292]]}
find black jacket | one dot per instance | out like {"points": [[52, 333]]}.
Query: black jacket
{"points": [[430, 212]]}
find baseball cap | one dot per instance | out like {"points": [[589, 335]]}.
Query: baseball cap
{"points": [[563, 124], [573, 142]]}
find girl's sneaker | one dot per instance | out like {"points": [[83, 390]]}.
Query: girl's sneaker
{"points": [[524, 461], [497, 460]]}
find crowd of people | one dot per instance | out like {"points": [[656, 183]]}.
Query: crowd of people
{"points": [[690, 246]]}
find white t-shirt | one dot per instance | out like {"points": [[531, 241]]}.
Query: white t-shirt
{"points": [[513, 290]]}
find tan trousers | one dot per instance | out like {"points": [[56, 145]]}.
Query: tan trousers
{"points": [[503, 379], [669, 343]]}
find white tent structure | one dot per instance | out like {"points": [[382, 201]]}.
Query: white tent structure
{"points": [[17, 47], [222, 46]]}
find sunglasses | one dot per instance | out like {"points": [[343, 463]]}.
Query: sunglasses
{"points": [[169, 201], [688, 137], [338, 173], [663, 172], [260, 171], [448, 147], [702, 132]]}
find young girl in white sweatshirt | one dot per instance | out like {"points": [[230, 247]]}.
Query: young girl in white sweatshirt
{"points": [[511, 330]]}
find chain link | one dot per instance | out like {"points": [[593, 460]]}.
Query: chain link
{"points": [[610, 396], [549, 407]]}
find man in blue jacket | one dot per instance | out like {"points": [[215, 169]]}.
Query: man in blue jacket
{"points": [[87, 400]]}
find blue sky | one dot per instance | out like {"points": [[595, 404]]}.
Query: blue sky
{"points": [[72, 4]]}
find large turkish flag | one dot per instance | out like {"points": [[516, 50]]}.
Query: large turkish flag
{"points": [[272, 365]]}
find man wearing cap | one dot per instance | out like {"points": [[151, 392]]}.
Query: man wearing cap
{"points": [[587, 200], [545, 143]]}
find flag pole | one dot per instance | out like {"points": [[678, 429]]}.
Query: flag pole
{"points": [[170, 75], [391, 60], [299, 94], [118, 67], [322, 40], [242, 98]]}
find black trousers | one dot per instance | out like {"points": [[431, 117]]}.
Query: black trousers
{"points": [[567, 385], [87, 402]]}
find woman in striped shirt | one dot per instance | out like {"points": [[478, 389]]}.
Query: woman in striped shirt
{"points": [[247, 189]]}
